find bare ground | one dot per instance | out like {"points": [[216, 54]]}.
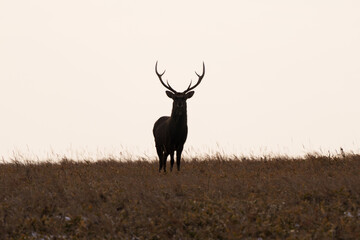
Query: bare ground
{"points": [[213, 198]]}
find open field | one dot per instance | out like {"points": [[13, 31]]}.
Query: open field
{"points": [[316, 197]]}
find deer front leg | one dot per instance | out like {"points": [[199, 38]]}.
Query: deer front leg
{"points": [[171, 160], [178, 158]]}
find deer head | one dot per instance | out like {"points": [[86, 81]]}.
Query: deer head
{"points": [[179, 98]]}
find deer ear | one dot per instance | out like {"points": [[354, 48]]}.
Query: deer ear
{"points": [[170, 94], [189, 94]]}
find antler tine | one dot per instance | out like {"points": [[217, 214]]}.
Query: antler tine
{"points": [[189, 85], [157, 73], [198, 82], [160, 75]]}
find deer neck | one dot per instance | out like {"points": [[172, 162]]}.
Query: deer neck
{"points": [[178, 120]]}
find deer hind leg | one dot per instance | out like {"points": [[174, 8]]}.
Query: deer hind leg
{"points": [[166, 154], [178, 157], [160, 153], [171, 160]]}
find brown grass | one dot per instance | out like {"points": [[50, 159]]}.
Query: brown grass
{"points": [[214, 198]]}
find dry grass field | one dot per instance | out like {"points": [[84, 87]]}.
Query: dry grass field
{"points": [[316, 197]]}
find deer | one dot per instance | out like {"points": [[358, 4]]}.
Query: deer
{"points": [[170, 133]]}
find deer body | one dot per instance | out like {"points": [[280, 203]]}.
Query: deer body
{"points": [[170, 133]]}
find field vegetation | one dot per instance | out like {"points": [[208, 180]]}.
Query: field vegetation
{"points": [[315, 197]]}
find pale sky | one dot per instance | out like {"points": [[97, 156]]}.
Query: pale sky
{"points": [[77, 77]]}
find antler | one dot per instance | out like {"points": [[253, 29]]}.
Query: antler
{"points": [[160, 75], [198, 82]]}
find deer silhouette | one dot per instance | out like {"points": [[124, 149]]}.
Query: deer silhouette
{"points": [[170, 133]]}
